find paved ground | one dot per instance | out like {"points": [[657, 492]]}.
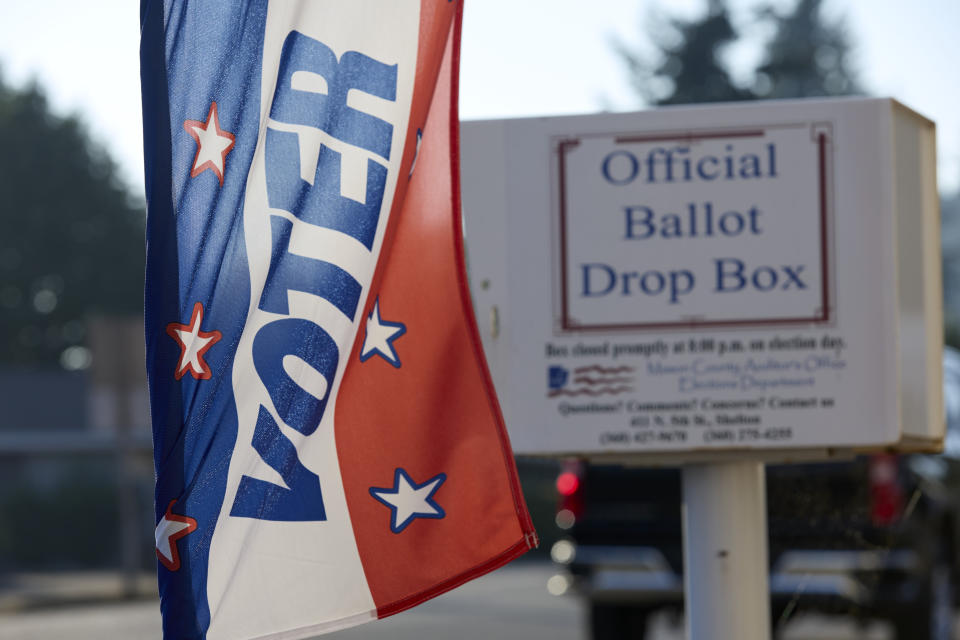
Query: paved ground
{"points": [[509, 604], [26, 591]]}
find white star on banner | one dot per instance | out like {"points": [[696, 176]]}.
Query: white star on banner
{"points": [[379, 337], [213, 144], [193, 345], [171, 528], [408, 500]]}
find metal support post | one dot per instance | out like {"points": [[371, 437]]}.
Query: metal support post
{"points": [[726, 579]]}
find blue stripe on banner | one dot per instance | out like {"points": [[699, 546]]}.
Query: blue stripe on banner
{"points": [[194, 55]]}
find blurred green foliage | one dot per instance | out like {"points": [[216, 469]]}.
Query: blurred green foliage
{"points": [[806, 56], [71, 235]]}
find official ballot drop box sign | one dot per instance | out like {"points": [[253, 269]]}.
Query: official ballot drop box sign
{"points": [[742, 277]]}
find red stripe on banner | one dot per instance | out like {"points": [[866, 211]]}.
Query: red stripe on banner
{"points": [[436, 413]]}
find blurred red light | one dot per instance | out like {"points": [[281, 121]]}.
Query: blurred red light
{"points": [[886, 495], [567, 483]]}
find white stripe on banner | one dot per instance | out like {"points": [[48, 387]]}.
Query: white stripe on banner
{"points": [[268, 575]]}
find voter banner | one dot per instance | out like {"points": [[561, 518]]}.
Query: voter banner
{"points": [[737, 279], [327, 441]]}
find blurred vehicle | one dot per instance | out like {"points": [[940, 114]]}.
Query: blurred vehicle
{"points": [[875, 537]]}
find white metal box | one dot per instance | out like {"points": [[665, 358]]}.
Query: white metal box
{"points": [[754, 277]]}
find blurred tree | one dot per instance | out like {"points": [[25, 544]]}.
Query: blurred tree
{"points": [[806, 57], [71, 235], [689, 67]]}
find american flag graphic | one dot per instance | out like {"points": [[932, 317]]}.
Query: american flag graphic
{"points": [[593, 380]]}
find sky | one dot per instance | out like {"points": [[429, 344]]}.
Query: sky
{"points": [[519, 58]]}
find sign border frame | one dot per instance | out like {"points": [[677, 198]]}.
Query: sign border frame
{"points": [[821, 134]]}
